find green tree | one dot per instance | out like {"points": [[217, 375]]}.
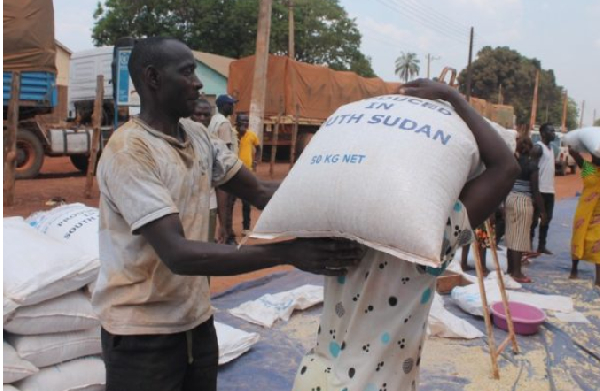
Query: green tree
{"points": [[324, 33], [407, 66], [508, 69], [597, 123]]}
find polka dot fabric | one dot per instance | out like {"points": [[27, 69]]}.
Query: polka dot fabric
{"points": [[374, 319]]}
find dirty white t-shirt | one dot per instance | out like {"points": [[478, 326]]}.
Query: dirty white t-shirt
{"points": [[144, 175], [374, 321], [221, 127]]}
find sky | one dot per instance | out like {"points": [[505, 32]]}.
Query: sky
{"points": [[563, 35]]}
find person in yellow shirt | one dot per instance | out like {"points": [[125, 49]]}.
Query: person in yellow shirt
{"points": [[249, 153]]}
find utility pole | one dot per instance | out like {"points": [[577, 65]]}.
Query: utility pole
{"points": [[261, 62], [96, 122], [430, 58], [469, 70], [563, 123], [10, 140], [500, 96], [291, 42], [535, 101], [582, 111]]}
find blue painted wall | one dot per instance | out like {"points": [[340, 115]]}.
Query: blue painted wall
{"points": [[214, 83]]}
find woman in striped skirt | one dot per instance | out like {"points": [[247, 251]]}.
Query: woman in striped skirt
{"points": [[519, 209]]}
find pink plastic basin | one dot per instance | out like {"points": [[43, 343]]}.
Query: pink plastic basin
{"points": [[526, 318]]}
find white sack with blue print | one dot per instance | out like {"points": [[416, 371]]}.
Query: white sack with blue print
{"points": [[383, 171]]}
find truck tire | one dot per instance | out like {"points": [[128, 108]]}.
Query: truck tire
{"points": [[81, 161], [30, 155]]}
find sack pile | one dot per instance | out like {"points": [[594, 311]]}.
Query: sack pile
{"points": [[51, 335]]}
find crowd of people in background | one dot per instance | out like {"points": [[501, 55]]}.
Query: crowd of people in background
{"points": [[530, 206]]}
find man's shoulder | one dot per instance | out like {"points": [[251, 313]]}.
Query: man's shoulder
{"points": [[128, 136], [193, 127], [217, 118]]}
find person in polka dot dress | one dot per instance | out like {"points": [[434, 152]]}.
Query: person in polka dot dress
{"points": [[374, 320]]}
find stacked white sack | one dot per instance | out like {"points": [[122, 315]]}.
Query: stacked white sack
{"points": [[76, 224], [48, 320]]}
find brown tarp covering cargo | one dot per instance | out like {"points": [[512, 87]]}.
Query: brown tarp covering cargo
{"points": [[29, 35], [501, 114], [317, 90]]}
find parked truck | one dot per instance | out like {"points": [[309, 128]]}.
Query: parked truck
{"points": [[30, 49], [85, 67], [299, 92]]}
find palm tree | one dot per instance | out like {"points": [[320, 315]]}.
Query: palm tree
{"points": [[407, 66]]}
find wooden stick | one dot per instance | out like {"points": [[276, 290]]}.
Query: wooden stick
{"points": [[96, 121], [509, 321], [294, 137], [486, 311], [503, 345], [276, 137], [10, 140]]}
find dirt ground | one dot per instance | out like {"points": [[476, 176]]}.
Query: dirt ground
{"points": [[60, 180]]}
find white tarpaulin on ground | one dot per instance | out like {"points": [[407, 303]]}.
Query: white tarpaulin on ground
{"points": [[468, 298], [233, 342], [269, 308], [443, 323]]}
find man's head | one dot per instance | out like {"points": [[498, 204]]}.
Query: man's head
{"points": [[547, 133], [242, 122], [202, 112], [162, 71], [225, 104]]}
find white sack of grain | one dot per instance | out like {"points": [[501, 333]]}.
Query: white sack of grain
{"points": [[15, 368], [585, 140], [75, 224], [38, 267], [49, 349], [86, 374], [70, 312], [383, 171]]}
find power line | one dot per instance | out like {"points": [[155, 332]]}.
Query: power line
{"points": [[424, 21], [444, 21], [431, 11], [392, 40]]}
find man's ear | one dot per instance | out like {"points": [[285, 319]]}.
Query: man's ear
{"points": [[153, 77]]}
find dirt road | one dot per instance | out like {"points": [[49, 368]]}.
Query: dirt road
{"points": [[59, 179]]}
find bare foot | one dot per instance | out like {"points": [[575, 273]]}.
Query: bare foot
{"points": [[523, 279], [544, 250]]}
